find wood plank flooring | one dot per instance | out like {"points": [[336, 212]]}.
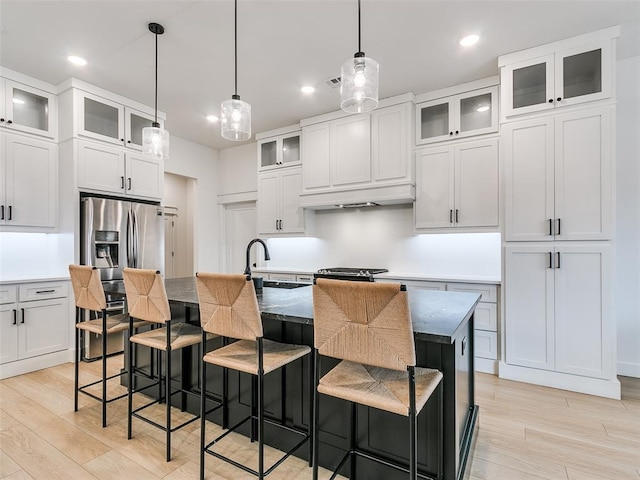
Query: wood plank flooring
{"points": [[525, 432]]}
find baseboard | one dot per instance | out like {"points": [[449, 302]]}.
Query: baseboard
{"points": [[628, 369], [485, 365], [563, 381], [32, 364]]}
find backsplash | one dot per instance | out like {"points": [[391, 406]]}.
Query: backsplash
{"points": [[383, 237], [33, 255]]}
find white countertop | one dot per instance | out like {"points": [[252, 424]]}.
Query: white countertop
{"points": [[9, 280]]}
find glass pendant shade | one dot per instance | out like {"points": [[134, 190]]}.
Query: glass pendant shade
{"points": [[359, 85], [155, 142], [235, 119]]}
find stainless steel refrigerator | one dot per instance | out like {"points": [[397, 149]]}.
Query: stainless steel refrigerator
{"points": [[116, 234]]}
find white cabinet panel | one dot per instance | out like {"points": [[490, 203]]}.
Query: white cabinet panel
{"points": [[486, 344], [391, 142], [42, 330], [145, 176], [488, 293], [292, 215], [434, 188], [8, 332], [101, 168], [486, 317], [29, 182], [351, 145], [279, 210], [8, 294], [316, 158], [268, 202], [28, 109]]}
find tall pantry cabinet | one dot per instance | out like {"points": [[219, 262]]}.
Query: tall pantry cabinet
{"points": [[558, 111]]}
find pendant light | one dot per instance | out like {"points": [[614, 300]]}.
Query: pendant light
{"points": [[359, 81], [155, 140], [235, 114]]}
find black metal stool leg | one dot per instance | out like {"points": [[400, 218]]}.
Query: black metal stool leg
{"points": [[260, 411], [104, 368], [352, 440], [413, 450], [254, 413], [203, 398], [316, 415], [131, 367], [76, 362], [167, 381]]}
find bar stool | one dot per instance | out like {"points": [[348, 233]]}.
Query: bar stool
{"points": [[147, 300], [368, 326], [229, 308], [89, 296]]}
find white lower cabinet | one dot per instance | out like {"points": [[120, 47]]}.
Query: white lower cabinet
{"points": [[113, 170], [35, 319], [558, 309]]}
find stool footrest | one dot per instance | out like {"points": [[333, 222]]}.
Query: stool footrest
{"points": [[208, 446], [379, 460]]}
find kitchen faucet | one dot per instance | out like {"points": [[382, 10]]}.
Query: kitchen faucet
{"points": [[247, 270]]}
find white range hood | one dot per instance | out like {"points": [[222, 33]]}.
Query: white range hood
{"points": [[365, 197]]}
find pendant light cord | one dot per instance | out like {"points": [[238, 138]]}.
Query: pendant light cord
{"points": [[236, 48], [359, 47], [156, 95]]}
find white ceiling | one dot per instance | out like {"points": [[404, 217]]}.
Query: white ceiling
{"points": [[283, 44]]}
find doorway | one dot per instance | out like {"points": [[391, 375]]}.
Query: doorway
{"points": [[179, 236]]}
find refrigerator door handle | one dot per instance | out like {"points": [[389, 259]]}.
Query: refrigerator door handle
{"points": [[136, 240], [89, 239], [129, 240]]}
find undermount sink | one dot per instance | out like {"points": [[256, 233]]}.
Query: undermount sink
{"points": [[288, 285]]}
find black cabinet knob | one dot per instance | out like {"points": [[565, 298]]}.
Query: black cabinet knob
{"points": [[1, 120], [551, 100], [9, 122], [559, 98], [450, 133], [457, 132], [128, 141], [122, 140]]}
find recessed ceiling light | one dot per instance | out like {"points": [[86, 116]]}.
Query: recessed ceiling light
{"points": [[212, 118], [469, 40], [307, 89], [483, 108], [76, 60]]}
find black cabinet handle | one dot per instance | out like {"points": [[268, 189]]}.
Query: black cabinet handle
{"points": [[1, 120], [450, 133], [22, 309], [456, 215], [1, 212], [280, 224], [121, 182], [550, 226], [46, 291], [129, 181], [128, 141], [10, 213], [551, 100], [122, 140], [558, 260], [450, 216], [457, 132], [9, 122], [15, 316], [276, 224], [558, 231], [559, 98], [550, 259]]}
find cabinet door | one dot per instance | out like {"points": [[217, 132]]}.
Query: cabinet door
{"points": [[351, 150], [43, 327], [529, 306], [292, 215], [316, 156], [8, 332], [135, 121], [528, 149], [268, 203], [267, 153], [290, 150], [434, 121], [584, 329], [434, 206], [583, 175], [528, 86], [145, 176], [31, 168], [476, 112], [30, 110], [583, 74], [390, 143], [476, 184], [100, 118], [101, 167]]}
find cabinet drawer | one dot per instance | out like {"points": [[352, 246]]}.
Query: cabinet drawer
{"points": [[489, 292], [286, 277], [8, 294], [42, 291], [486, 344], [304, 279], [486, 317]]}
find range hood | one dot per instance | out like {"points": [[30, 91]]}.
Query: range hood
{"points": [[367, 196]]}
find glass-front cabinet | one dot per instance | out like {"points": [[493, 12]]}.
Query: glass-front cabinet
{"points": [[279, 151], [28, 109], [106, 120], [565, 78], [457, 116]]}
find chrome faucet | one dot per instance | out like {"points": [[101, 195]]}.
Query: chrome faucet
{"points": [[247, 270]]}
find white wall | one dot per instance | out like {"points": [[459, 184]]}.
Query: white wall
{"points": [[237, 168], [178, 192], [35, 255], [383, 237], [199, 163], [627, 264]]}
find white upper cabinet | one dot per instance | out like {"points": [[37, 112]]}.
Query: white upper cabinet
{"points": [[560, 74], [27, 109], [457, 116], [279, 210], [391, 143], [558, 177], [279, 150], [28, 182], [102, 119], [108, 169], [457, 186]]}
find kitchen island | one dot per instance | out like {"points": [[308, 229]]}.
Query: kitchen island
{"points": [[443, 329]]}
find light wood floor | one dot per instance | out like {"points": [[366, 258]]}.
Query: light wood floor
{"points": [[526, 433]]}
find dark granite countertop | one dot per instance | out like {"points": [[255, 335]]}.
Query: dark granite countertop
{"points": [[437, 315]]}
